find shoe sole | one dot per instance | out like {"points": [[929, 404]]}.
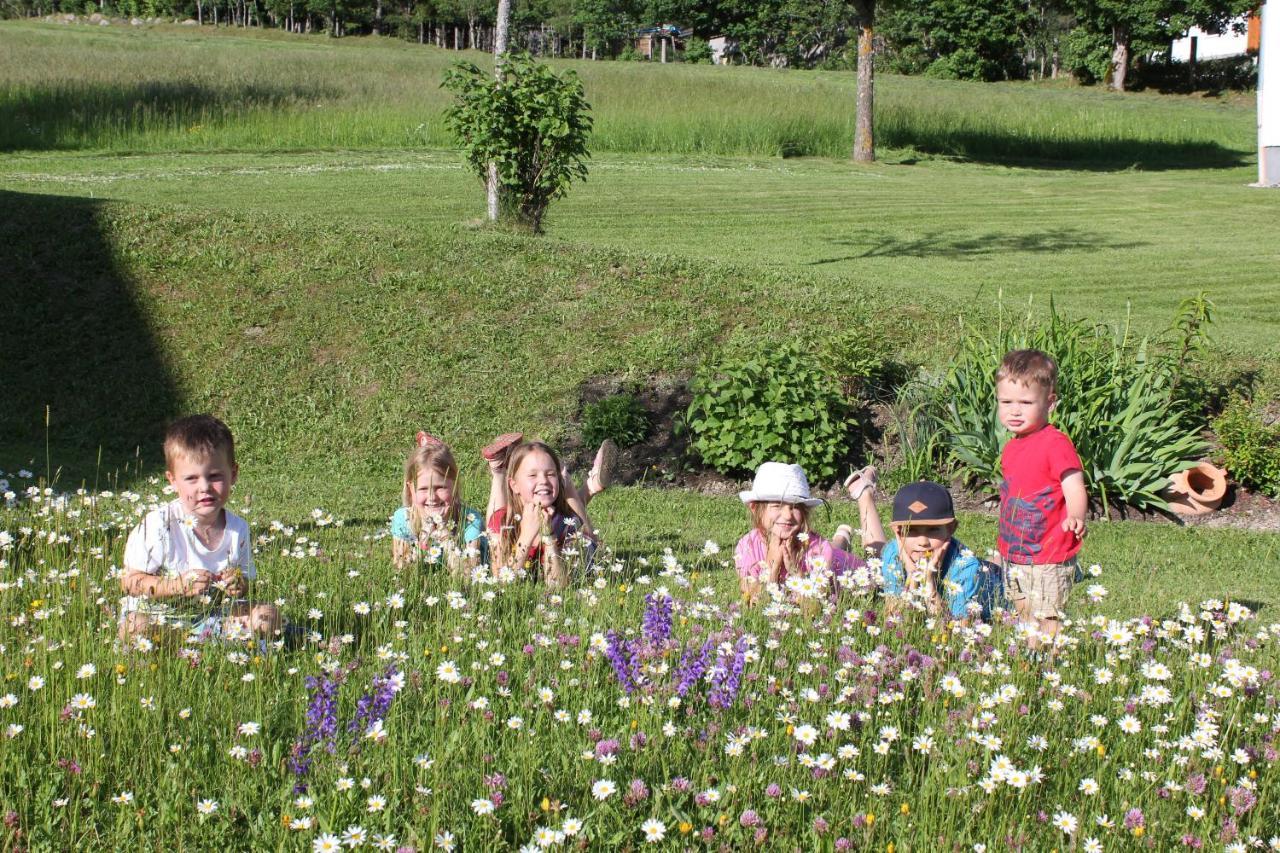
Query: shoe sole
{"points": [[499, 445]]}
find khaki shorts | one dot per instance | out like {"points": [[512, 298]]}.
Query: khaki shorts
{"points": [[1044, 586]]}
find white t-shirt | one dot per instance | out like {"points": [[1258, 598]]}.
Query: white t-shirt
{"points": [[165, 541]]}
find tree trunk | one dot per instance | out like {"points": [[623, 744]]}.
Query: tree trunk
{"points": [[864, 144], [502, 23], [1119, 57]]}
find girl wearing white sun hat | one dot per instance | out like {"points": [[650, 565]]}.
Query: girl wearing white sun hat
{"points": [[781, 544]]}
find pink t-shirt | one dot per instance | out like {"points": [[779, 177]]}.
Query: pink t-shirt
{"points": [[1032, 506], [752, 548]]}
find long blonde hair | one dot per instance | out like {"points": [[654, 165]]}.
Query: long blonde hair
{"points": [[795, 545], [516, 454], [430, 456]]}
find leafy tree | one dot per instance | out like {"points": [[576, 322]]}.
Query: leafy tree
{"points": [[966, 39], [1137, 27], [532, 124]]}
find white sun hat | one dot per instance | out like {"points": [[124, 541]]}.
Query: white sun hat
{"points": [[778, 482]]}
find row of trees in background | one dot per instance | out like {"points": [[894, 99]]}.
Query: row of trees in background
{"points": [[1094, 40]]}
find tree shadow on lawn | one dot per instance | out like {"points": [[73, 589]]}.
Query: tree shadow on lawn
{"points": [[72, 116], [873, 245], [77, 340], [1032, 151]]}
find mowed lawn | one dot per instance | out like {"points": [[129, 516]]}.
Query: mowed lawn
{"points": [[284, 239], [955, 236]]}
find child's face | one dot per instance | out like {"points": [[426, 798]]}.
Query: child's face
{"points": [[203, 484], [922, 540], [432, 494], [536, 480], [783, 521], [1023, 408]]}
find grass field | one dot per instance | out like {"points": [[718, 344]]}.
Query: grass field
{"points": [[273, 229]]}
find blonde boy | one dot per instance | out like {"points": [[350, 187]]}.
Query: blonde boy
{"points": [[192, 555], [1043, 501]]}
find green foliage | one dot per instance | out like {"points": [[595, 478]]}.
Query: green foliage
{"points": [[696, 50], [621, 417], [1143, 26], [1250, 447], [1116, 402], [914, 437], [532, 123], [958, 39], [775, 402]]}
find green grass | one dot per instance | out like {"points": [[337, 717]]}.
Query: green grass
{"points": [[107, 748], [175, 89], [176, 235]]}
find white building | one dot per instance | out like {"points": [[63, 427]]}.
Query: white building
{"points": [[1210, 45]]}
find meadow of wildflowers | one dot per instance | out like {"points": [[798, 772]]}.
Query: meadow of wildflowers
{"points": [[642, 706]]}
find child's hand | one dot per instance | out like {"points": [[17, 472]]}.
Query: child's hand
{"points": [[788, 561], [1074, 525], [236, 584], [195, 583]]}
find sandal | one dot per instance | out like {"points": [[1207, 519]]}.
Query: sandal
{"points": [[859, 481], [601, 475], [496, 448], [426, 439]]}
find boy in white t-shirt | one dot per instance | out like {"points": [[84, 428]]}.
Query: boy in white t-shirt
{"points": [[188, 565]]}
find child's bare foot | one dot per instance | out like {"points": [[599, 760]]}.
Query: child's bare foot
{"points": [[495, 452], [426, 439], [601, 475], [860, 481]]}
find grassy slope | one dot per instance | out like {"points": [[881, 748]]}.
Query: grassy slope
{"points": [[938, 232], [327, 303]]}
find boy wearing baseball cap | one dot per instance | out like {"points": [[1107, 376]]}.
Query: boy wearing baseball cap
{"points": [[926, 562]]}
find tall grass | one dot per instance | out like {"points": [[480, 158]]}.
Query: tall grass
{"points": [[170, 89]]}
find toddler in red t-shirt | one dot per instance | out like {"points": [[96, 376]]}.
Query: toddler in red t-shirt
{"points": [[1042, 496]]}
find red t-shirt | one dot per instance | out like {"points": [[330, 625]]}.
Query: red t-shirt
{"points": [[1032, 506], [558, 530]]}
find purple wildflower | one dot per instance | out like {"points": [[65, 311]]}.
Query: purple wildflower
{"points": [[656, 623], [726, 677], [622, 657], [691, 668], [373, 706]]}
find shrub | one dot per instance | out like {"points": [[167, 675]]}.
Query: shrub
{"points": [[533, 124], [1116, 401], [772, 402], [1250, 447], [697, 50], [914, 439], [621, 417]]}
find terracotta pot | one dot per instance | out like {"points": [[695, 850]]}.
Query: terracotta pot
{"points": [[1198, 490]]}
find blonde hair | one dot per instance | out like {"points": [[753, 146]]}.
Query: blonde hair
{"points": [[1031, 367], [757, 518], [430, 457], [197, 436], [516, 454]]}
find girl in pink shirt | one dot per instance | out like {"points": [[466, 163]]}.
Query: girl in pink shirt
{"points": [[781, 543]]}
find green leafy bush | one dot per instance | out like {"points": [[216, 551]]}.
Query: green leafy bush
{"points": [[532, 123], [621, 417], [1116, 401], [1250, 448], [778, 402], [914, 439], [697, 50]]}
